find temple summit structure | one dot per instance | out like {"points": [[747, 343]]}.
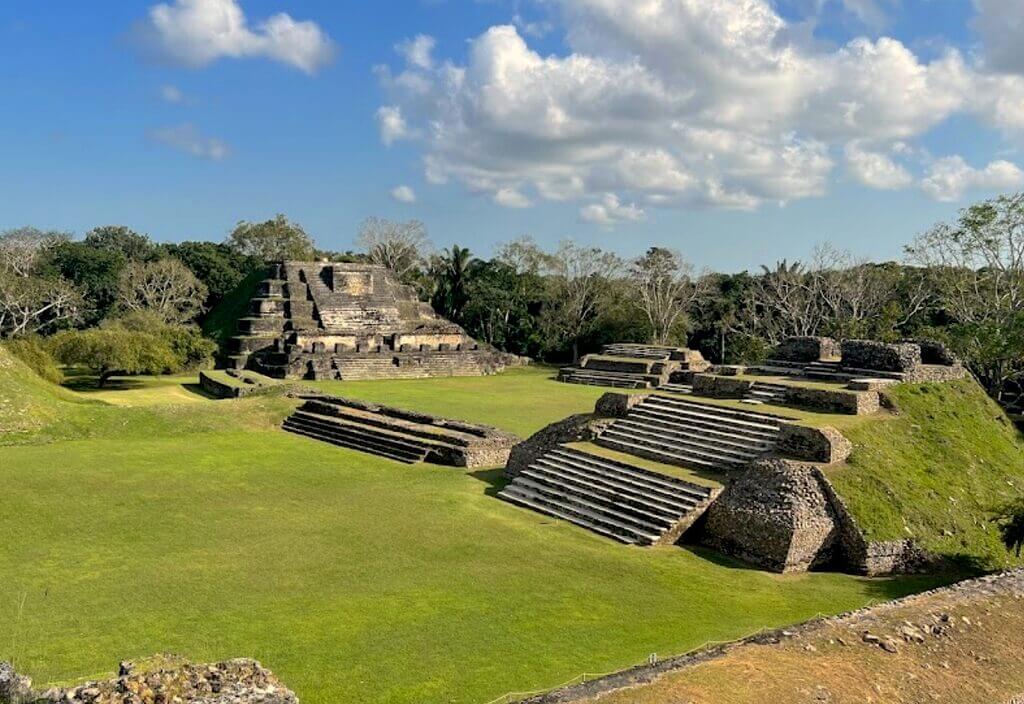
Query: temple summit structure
{"points": [[321, 320]]}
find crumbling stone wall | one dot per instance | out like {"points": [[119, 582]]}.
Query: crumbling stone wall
{"points": [[855, 403], [615, 404], [582, 427], [714, 386], [868, 354], [805, 349], [163, 680], [775, 515], [802, 442]]}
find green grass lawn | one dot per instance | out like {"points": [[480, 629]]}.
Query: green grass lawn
{"points": [[200, 528]]}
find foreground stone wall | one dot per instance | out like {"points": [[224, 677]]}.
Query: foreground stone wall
{"points": [[825, 444], [714, 386], [164, 680]]}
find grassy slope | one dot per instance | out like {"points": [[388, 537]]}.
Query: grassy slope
{"points": [[220, 324], [948, 459], [200, 529]]}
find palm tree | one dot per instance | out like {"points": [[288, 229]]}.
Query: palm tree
{"points": [[451, 273]]}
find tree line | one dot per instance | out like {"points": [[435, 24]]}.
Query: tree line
{"points": [[118, 302]]}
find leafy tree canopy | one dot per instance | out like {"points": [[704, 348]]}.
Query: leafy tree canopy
{"points": [[273, 240]]}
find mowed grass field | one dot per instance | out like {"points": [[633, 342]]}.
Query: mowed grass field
{"points": [[197, 527]]}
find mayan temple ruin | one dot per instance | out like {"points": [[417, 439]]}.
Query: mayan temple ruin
{"points": [[321, 320]]}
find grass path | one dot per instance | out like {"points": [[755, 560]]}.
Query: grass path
{"points": [[352, 577]]}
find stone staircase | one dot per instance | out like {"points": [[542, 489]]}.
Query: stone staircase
{"points": [[397, 434], [682, 432], [609, 497], [594, 377], [762, 392], [677, 388], [628, 349]]}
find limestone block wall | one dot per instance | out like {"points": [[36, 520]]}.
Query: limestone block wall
{"points": [[578, 428], [775, 515], [616, 404], [806, 349], [715, 386], [833, 400], [868, 354], [825, 444]]}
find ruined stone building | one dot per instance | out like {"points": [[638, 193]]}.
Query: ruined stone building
{"points": [[319, 320]]}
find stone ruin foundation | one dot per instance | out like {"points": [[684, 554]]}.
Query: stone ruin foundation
{"points": [[317, 320], [159, 680]]}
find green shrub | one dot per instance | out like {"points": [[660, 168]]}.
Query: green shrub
{"points": [[191, 350], [32, 351], [114, 351]]}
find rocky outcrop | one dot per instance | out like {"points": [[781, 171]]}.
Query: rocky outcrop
{"points": [[163, 680]]}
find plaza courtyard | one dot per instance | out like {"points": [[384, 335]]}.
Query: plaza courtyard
{"points": [[198, 527]]}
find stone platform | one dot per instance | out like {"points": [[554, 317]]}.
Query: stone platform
{"points": [[318, 320], [634, 366], [398, 434]]}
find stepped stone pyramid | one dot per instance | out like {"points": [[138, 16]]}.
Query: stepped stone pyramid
{"points": [[320, 320], [627, 365]]}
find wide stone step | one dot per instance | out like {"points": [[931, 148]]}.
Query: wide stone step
{"points": [[612, 501], [348, 423], [644, 477], [349, 443], [588, 519], [610, 514], [362, 434], [656, 500], [696, 439], [355, 415], [684, 389], [682, 459], [527, 499], [611, 381], [678, 446], [679, 406], [687, 423]]}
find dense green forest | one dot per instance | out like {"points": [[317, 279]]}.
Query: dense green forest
{"points": [[118, 302]]}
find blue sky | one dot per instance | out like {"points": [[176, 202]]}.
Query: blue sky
{"points": [[739, 135]]}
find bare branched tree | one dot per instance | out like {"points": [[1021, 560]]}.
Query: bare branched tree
{"points": [[165, 287], [666, 290], [22, 249], [31, 304], [399, 246], [580, 276]]}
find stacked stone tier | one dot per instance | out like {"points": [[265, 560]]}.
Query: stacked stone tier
{"points": [[677, 431], [612, 498]]}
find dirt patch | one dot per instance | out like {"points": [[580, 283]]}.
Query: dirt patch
{"points": [[963, 643]]}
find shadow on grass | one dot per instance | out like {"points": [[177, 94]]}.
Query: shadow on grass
{"points": [[494, 478], [88, 383], [200, 391]]}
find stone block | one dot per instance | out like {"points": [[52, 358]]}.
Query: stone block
{"points": [[855, 403], [714, 386], [578, 428], [615, 404], [824, 444]]}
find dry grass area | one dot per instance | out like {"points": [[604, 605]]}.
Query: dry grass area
{"points": [[955, 645]]}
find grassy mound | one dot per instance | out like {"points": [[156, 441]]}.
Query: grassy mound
{"points": [[30, 405], [220, 324], [936, 472]]}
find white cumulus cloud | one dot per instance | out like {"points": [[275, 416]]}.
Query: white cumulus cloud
{"points": [[172, 94], [681, 103], [876, 169], [188, 139], [391, 124], [610, 211], [403, 194], [198, 32], [949, 178]]}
